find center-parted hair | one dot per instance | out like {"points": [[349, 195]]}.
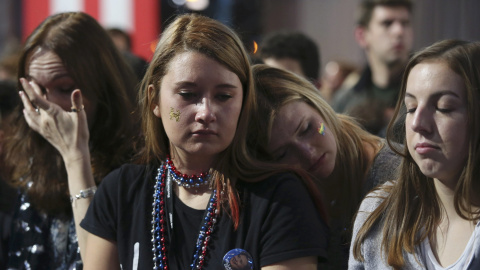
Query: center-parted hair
{"points": [[196, 33], [412, 210]]}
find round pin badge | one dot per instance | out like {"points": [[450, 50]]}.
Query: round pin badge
{"points": [[238, 259]]}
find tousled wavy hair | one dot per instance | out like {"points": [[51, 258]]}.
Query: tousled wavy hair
{"points": [[98, 69], [276, 88]]}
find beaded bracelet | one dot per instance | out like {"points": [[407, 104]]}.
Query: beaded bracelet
{"points": [[84, 193]]}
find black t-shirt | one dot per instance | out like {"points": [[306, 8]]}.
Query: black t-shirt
{"points": [[278, 222]]}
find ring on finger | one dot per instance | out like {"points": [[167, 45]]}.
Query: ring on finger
{"points": [[76, 110], [37, 109]]}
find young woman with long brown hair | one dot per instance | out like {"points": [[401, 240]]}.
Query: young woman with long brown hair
{"points": [[74, 127], [189, 204], [428, 217], [295, 126]]}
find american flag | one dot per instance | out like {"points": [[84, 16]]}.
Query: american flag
{"points": [[140, 18]]}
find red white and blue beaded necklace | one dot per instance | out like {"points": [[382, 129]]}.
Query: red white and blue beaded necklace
{"points": [[159, 215]]}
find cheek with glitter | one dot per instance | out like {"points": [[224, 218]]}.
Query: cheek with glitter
{"points": [[174, 115], [321, 129]]}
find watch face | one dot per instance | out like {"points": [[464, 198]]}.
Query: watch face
{"points": [[238, 259]]}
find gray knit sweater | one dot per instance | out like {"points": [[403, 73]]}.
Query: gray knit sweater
{"points": [[371, 247]]}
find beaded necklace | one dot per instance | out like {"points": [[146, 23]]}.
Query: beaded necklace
{"points": [[159, 217], [183, 179]]}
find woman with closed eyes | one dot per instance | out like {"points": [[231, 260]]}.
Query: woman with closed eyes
{"points": [[428, 218], [75, 126], [294, 126]]}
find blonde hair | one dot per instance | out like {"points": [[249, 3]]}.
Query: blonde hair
{"points": [[412, 211], [276, 88]]}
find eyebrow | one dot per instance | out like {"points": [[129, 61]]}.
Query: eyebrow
{"points": [[57, 76], [193, 84], [437, 94], [226, 85]]}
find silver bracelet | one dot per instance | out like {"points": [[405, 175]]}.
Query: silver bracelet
{"points": [[84, 193]]}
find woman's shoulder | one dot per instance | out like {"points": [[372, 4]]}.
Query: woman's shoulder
{"points": [[384, 168], [285, 190], [283, 213], [373, 199], [278, 183], [127, 174], [387, 155]]}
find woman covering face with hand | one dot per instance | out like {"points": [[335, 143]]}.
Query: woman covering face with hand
{"points": [[188, 204], [428, 218], [75, 126], [294, 126]]}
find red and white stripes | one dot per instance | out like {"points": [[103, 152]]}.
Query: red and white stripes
{"points": [[140, 18]]}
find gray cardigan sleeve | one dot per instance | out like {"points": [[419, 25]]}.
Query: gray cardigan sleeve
{"points": [[371, 247]]}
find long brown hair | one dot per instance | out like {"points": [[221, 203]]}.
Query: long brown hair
{"points": [[197, 33], [204, 35], [276, 88], [99, 71], [411, 211]]}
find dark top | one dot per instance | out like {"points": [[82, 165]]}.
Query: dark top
{"points": [[365, 89], [368, 102], [40, 241], [278, 222], [7, 204], [138, 64]]}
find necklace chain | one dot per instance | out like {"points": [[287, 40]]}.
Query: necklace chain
{"points": [[159, 226]]}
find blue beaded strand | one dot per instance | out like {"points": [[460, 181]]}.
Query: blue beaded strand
{"points": [[205, 232], [158, 223]]}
